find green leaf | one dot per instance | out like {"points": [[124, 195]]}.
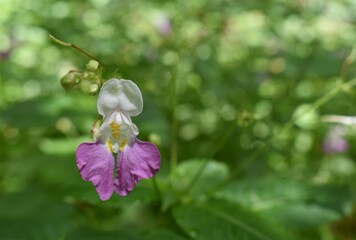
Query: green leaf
{"points": [[339, 198], [163, 234], [294, 204], [211, 174], [170, 197], [302, 215], [225, 220], [193, 178], [258, 194], [91, 234]]}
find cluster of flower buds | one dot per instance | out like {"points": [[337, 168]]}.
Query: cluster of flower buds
{"points": [[88, 81]]}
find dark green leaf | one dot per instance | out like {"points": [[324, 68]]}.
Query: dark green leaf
{"points": [[199, 175], [90, 234], [164, 235], [263, 193], [194, 177], [294, 204], [302, 215], [224, 220]]}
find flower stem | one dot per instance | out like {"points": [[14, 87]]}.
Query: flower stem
{"points": [[174, 126], [75, 47], [317, 104]]}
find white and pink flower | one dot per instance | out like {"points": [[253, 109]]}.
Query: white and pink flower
{"points": [[118, 101]]}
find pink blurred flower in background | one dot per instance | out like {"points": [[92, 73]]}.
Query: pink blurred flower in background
{"points": [[163, 25], [335, 141]]}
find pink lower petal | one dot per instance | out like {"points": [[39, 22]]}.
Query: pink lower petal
{"points": [[96, 164], [137, 161]]}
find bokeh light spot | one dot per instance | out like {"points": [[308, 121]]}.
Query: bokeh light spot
{"points": [[31, 89], [170, 58], [260, 130], [303, 142], [189, 132], [60, 9], [277, 65], [204, 51]]}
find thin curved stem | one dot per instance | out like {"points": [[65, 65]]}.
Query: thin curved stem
{"points": [[75, 47]]}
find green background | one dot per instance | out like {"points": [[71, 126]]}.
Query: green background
{"points": [[235, 93]]}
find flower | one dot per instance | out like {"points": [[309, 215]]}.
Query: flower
{"points": [[335, 141], [163, 25], [118, 100]]}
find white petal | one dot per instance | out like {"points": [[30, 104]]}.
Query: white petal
{"points": [[128, 122], [120, 95]]}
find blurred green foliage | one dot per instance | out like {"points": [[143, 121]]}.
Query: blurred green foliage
{"points": [[235, 95]]}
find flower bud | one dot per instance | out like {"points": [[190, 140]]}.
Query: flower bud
{"points": [[92, 66], [93, 89], [70, 80], [89, 76]]}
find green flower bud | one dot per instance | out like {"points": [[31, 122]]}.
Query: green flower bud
{"points": [[92, 66], [93, 89], [70, 80]]}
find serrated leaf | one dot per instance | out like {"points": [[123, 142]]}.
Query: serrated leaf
{"points": [[225, 220]]}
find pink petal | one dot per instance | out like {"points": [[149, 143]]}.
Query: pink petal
{"points": [[140, 160], [96, 164]]}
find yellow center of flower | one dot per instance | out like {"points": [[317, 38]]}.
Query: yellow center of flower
{"points": [[122, 144], [115, 130], [109, 145], [117, 141]]}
